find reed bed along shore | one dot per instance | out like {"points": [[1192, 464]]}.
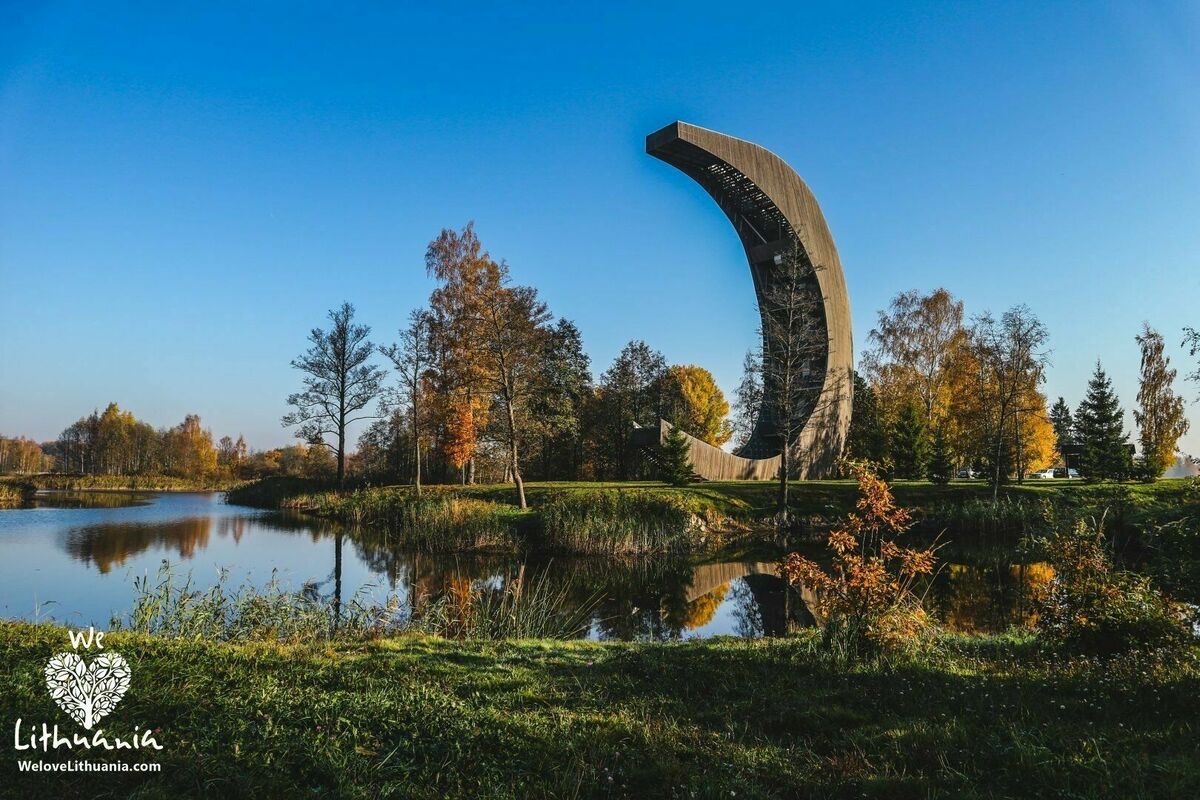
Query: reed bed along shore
{"points": [[645, 517], [128, 483], [168, 604], [15, 493]]}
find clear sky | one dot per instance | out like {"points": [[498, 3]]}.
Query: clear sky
{"points": [[185, 191]]}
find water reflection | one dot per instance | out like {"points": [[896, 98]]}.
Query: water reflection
{"points": [[50, 498], [82, 559]]}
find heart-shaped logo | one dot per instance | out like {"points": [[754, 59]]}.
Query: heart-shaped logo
{"points": [[87, 692]]}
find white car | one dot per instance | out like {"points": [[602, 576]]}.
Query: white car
{"points": [[1046, 473]]}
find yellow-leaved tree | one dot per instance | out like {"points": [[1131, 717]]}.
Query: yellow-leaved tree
{"points": [[693, 402]]}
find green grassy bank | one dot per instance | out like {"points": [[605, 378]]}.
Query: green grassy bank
{"points": [[132, 483], [421, 717], [620, 518]]}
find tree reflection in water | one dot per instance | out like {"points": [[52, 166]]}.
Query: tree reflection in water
{"points": [[648, 598]]}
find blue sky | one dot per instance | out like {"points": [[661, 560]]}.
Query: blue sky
{"points": [[184, 192]]}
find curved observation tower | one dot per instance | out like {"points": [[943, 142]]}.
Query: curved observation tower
{"points": [[777, 218]]}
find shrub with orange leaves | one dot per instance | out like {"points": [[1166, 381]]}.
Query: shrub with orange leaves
{"points": [[866, 596]]}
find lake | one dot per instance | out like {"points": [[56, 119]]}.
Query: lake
{"points": [[74, 556]]}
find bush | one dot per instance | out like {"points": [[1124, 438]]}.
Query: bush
{"points": [[866, 599], [1094, 610]]}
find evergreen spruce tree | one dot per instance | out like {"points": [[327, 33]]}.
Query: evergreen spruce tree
{"points": [[675, 466], [1100, 431], [867, 439], [1064, 425], [910, 443], [941, 469]]}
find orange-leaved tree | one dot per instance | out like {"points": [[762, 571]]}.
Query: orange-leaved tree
{"points": [[866, 597]]}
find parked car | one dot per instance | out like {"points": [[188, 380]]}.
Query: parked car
{"points": [[965, 474], [1062, 472], [1045, 473]]}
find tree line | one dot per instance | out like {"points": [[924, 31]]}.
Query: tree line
{"points": [[115, 442], [488, 386], [938, 393]]}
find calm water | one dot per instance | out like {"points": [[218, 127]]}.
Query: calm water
{"points": [[74, 556]]}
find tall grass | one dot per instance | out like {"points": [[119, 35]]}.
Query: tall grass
{"points": [[14, 494], [272, 492], [133, 483], [1005, 516], [523, 609], [170, 605], [622, 522], [440, 522]]}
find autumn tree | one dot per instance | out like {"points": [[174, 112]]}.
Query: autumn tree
{"points": [[22, 455], [914, 342], [865, 594], [1011, 359], [339, 383], [192, 454], [514, 332], [463, 270], [693, 402], [412, 358], [1100, 431], [496, 332], [1160, 413]]}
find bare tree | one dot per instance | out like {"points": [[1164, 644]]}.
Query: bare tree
{"points": [[338, 383], [1010, 361], [795, 343], [413, 357]]}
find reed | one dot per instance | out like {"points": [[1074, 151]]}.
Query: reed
{"points": [[438, 522], [171, 605], [14, 494], [131, 483], [522, 609], [622, 522], [1003, 517]]}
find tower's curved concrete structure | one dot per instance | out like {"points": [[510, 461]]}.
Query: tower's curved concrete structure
{"points": [[774, 214]]}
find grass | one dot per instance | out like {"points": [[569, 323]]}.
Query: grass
{"points": [[131, 483], [623, 522], [170, 606], [649, 517], [434, 522], [419, 717], [15, 493]]}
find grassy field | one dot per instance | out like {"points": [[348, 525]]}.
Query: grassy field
{"points": [[420, 717]]}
